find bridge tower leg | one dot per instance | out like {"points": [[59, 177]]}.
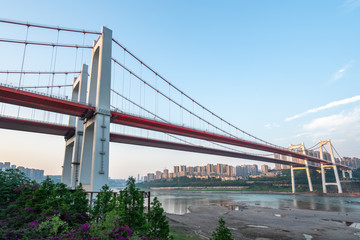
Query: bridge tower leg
{"points": [[300, 146], [73, 144], [327, 166], [347, 171], [94, 163]]}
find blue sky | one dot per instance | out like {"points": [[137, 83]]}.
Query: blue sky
{"points": [[285, 71]]}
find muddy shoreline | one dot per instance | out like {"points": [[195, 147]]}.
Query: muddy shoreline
{"points": [[261, 223]]}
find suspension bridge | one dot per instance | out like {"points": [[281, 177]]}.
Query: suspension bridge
{"points": [[120, 99]]}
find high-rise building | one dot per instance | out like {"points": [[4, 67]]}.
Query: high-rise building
{"points": [[242, 171], [190, 170], [264, 168], [232, 171], [150, 177], [254, 169], [166, 174], [176, 170], [158, 174], [210, 168], [183, 168]]}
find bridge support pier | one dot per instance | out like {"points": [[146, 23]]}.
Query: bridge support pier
{"points": [[94, 163], [73, 144], [329, 166], [300, 146]]}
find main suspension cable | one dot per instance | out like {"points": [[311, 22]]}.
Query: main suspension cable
{"points": [[48, 27], [191, 99]]}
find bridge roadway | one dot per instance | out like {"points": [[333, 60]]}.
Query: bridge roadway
{"points": [[16, 96], [68, 132]]}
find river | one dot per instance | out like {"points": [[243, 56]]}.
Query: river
{"points": [[178, 202]]}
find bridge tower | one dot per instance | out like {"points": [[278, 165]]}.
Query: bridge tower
{"points": [[300, 146], [70, 173], [94, 162], [329, 166]]}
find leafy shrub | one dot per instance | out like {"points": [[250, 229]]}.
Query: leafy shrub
{"points": [[222, 232], [158, 224]]}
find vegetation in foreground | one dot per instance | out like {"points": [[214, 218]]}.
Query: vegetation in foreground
{"points": [[50, 211], [222, 232]]}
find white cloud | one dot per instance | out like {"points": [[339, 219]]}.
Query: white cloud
{"points": [[327, 106], [341, 72], [334, 122], [351, 5], [272, 125]]}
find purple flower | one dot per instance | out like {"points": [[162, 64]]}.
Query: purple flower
{"points": [[34, 224], [29, 209], [84, 227]]}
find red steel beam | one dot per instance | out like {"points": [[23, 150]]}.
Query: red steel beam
{"points": [[53, 129], [36, 127], [134, 121], [47, 128], [126, 139], [47, 103], [33, 100]]}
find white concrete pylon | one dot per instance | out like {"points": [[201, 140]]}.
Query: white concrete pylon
{"points": [[331, 164], [94, 163], [300, 146], [79, 92], [73, 145]]}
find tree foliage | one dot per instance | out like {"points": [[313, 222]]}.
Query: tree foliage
{"points": [[158, 224], [222, 232], [10, 180], [131, 207], [104, 203], [52, 211]]}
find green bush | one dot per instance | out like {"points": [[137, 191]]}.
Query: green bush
{"points": [[222, 232], [158, 224], [52, 211]]}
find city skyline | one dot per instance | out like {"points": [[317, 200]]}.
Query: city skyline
{"points": [[284, 81], [227, 172]]}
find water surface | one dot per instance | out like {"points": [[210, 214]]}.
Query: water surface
{"points": [[178, 202]]}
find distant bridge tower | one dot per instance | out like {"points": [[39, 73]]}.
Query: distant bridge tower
{"points": [[332, 165], [70, 174], [300, 146]]}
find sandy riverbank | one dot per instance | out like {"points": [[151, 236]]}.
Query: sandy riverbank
{"points": [[266, 223]]}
